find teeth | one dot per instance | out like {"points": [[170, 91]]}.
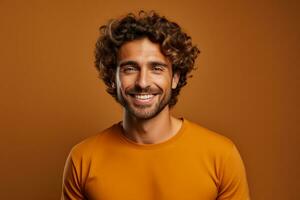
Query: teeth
{"points": [[143, 96]]}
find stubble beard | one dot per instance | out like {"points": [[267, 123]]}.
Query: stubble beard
{"points": [[145, 112]]}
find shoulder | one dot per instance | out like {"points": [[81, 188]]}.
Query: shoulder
{"points": [[206, 137], [87, 147], [207, 143], [215, 147]]}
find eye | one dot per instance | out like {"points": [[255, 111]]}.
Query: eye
{"points": [[158, 68], [129, 69]]}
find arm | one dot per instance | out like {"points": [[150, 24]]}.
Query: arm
{"points": [[233, 180], [71, 188]]}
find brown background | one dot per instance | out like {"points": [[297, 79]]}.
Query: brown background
{"points": [[245, 86]]}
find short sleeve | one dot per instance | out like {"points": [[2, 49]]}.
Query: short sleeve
{"points": [[233, 180], [71, 189]]}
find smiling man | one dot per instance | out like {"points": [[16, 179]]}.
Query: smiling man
{"points": [[144, 61]]}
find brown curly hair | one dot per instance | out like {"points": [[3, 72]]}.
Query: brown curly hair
{"points": [[174, 44]]}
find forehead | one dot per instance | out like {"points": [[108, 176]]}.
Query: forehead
{"points": [[141, 50]]}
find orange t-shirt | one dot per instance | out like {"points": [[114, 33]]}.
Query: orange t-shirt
{"points": [[195, 164]]}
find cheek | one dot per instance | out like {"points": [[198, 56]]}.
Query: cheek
{"points": [[164, 83], [127, 79], [125, 83]]}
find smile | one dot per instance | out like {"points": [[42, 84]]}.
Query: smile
{"points": [[143, 99], [143, 96]]}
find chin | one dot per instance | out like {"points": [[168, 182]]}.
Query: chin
{"points": [[145, 113], [142, 113]]}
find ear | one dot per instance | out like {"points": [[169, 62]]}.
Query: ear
{"points": [[175, 80], [113, 85]]}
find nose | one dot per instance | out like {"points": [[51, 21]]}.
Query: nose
{"points": [[143, 79]]}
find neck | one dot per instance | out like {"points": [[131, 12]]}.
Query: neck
{"points": [[151, 131]]}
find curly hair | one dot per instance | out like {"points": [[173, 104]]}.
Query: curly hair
{"points": [[174, 44]]}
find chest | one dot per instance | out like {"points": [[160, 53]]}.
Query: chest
{"points": [[165, 176]]}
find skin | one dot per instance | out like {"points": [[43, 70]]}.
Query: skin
{"points": [[144, 80]]}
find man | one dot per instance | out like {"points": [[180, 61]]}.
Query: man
{"points": [[144, 61]]}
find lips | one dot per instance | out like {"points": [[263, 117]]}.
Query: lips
{"points": [[142, 99], [143, 96]]}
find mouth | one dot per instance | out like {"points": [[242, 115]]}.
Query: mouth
{"points": [[143, 96], [142, 99]]}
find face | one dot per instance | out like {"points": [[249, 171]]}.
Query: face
{"points": [[144, 79]]}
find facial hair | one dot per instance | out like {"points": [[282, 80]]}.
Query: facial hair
{"points": [[140, 111]]}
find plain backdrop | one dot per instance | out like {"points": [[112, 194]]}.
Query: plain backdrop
{"points": [[246, 86]]}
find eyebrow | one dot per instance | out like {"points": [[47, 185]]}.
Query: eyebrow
{"points": [[128, 63], [121, 64], [158, 63]]}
